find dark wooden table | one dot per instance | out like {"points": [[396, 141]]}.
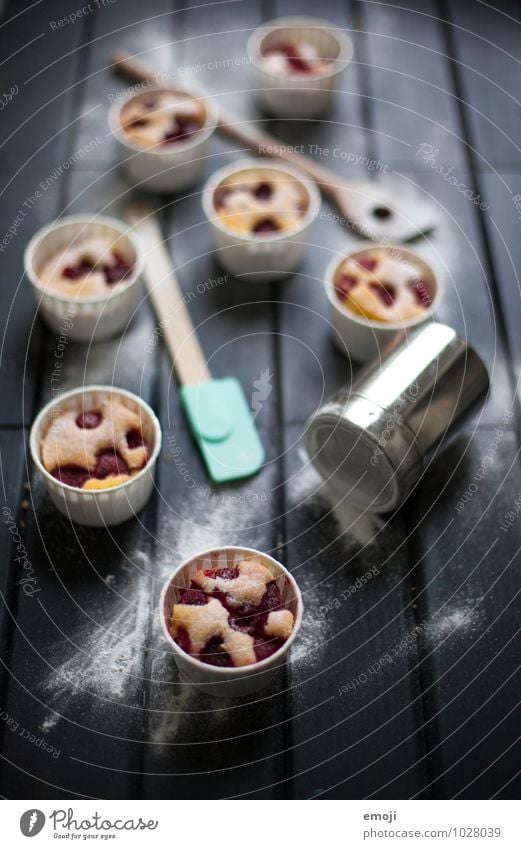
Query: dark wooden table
{"points": [[91, 705]]}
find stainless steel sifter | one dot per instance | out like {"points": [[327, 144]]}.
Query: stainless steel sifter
{"points": [[370, 443]]}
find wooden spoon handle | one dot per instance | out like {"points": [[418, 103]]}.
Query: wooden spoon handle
{"points": [[241, 131], [175, 324]]}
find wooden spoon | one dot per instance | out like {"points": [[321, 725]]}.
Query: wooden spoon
{"points": [[372, 210]]}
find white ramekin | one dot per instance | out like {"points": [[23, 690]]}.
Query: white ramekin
{"points": [[85, 319], [260, 259], [361, 338], [229, 682], [104, 507], [169, 169], [299, 95]]}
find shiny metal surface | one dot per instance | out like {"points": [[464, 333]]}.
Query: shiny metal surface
{"points": [[370, 442]]}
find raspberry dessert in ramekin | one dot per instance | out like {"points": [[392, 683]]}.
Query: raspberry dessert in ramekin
{"points": [[299, 62], [96, 448], [230, 615], [260, 213], [375, 292], [163, 134], [85, 272]]}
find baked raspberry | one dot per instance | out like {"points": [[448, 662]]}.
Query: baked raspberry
{"points": [[385, 291], [71, 475], [78, 270], [167, 118], [193, 597], [110, 463], [384, 284], [135, 439], [225, 574], [344, 284], [88, 421], [266, 226], [117, 270], [263, 191], [265, 648], [261, 201], [367, 262]]}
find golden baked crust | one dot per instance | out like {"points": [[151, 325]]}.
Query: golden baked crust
{"points": [[204, 622], [232, 611], [240, 208], [249, 586], [98, 252], [150, 117], [380, 284], [65, 444]]}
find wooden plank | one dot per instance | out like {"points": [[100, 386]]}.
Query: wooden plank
{"points": [[468, 596], [197, 746], [152, 31], [487, 53], [354, 690], [12, 531], [35, 145], [411, 102], [78, 651], [502, 193]]}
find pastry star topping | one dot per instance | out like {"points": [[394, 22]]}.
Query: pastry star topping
{"points": [[231, 616]]}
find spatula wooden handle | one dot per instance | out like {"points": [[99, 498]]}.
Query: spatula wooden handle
{"points": [[175, 324], [241, 131]]}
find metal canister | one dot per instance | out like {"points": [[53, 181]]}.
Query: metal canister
{"points": [[371, 442]]}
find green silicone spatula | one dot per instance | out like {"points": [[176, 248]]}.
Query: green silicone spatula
{"points": [[216, 409]]}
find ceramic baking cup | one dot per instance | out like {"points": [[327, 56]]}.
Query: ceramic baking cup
{"points": [[99, 508], [260, 258], [170, 168], [362, 338], [228, 682], [299, 95], [85, 319]]}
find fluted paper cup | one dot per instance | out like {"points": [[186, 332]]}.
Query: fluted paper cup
{"points": [[85, 319], [253, 258], [362, 338], [104, 507], [171, 168], [299, 95]]}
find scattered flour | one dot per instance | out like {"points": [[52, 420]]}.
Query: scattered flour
{"points": [[103, 658]]}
